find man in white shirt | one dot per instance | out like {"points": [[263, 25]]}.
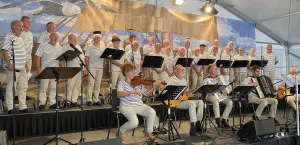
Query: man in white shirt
{"points": [[241, 72], [166, 43], [95, 65], [45, 57], [197, 70], [269, 69], [158, 73], [251, 57], [215, 56], [116, 73], [168, 62], [147, 49], [216, 44], [113, 36], [131, 39], [89, 42], [14, 38], [135, 57], [230, 44], [195, 107], [28, 40], [227, 56], [262, 102], [188, 50], [73, 87], [51, 27]]}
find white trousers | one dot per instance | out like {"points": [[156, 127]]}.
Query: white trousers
{"points": [[94, 84], [22, 84], [240, 77], [196, 80], [228, 103], [43, 90], [131, 112], [115, 77], [73, 89], [291, 101], [29, 64], [271, 75], [195, 109], [262, 103]]}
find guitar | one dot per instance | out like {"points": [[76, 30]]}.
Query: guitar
{"points": [[282, 93], [175, 103]]}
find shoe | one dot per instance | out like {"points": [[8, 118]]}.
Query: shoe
{"points": [[24, 111], [42, 107], [52, 106], [218, 122], [73, 105], [11, 111], [97, 104], [89, 103], [254, 117], [198, 127], [193, 131], [102, 101], [225, 123]]}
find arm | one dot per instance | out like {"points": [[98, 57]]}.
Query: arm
{"points": [[62, 63], [6, 59], [38, 64], [116, 63]]}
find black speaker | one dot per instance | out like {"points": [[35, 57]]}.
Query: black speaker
{"points": [[115, 141], [252, 129], [178, 142]]}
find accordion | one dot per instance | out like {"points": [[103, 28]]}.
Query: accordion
{"points": [[264, 87]]}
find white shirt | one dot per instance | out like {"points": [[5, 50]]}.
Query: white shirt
{"points": [[271, 57], [148, 49], [169, 63], [137, 59], [132, 99], [197, 58], [115, 68], [28, 42], [239, 57], [48, 54], [188, 54], [210, 51], [19, 50], [225, 56], [214, 57], [252, 58], [176, 81], [94, 53], [76, 61], [45, 38], [163, 51]]}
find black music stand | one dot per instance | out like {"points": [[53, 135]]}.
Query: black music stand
{"points": [[260, 63], [111, 54], [185, 62], [204, 91], [67, 56], [58, 73], [223, 63], [171, 92], [205, 62], [238, 92]]}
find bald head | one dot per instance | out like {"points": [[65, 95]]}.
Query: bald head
{"points": [[216, 42], [293, 71], [72, 39], [53, 38], [252, 51], [181, 51]]}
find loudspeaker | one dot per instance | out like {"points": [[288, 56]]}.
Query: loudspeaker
{"points": [[178, 142], [252, 129], [115, 141]]}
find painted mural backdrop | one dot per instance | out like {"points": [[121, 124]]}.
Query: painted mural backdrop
{"points": [[65, 12]]}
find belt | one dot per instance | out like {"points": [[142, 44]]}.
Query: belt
{"points": [[17, 70]]}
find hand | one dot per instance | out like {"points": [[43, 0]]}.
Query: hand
{"points": [[27, 69], [199, 73], [254, 84], [138, 91], [9, 66]]}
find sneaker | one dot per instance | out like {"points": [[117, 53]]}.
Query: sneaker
{"points": [[42, 107], [24, 111], [89, 103]]}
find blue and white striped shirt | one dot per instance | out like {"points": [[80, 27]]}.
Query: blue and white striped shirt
{"points": [[132, 99]]}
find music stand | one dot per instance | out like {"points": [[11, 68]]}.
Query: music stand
{"points": [[185, 62], [58, 73], [67, 56], [111, 54], [205, 62], [223, 63], [238, 92], [171, 92], [260, 63], [204, 91]]}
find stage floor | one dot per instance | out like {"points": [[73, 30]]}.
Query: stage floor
{"points": [[209, 138]]}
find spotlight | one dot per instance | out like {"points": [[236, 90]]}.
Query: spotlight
{"points": [[178, 2], [209, 9]]}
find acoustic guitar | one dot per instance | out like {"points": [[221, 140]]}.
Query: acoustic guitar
{"points": [[175, 103], [282, 93]]}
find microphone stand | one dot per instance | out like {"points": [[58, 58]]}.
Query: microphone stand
{"points": [[232, 87], [297, 105], [14, 92], [82, 65]]}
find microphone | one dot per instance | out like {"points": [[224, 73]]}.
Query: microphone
{"points": [[76, 49]]}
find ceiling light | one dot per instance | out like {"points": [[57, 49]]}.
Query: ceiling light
{"points": [[178, 2], [209, 9]]}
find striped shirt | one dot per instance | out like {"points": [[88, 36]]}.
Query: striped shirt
{"points": [[271, 57], [28, 42], [252, 58], [239, 57], [176, 81], [19, 50], [94, 53], [132, 99], [76, 61], [48, 54]]}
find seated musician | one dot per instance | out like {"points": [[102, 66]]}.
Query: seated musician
{"points": [[131, 103], [253, 97], [192, 105], [217, 98], [291, 98]]}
